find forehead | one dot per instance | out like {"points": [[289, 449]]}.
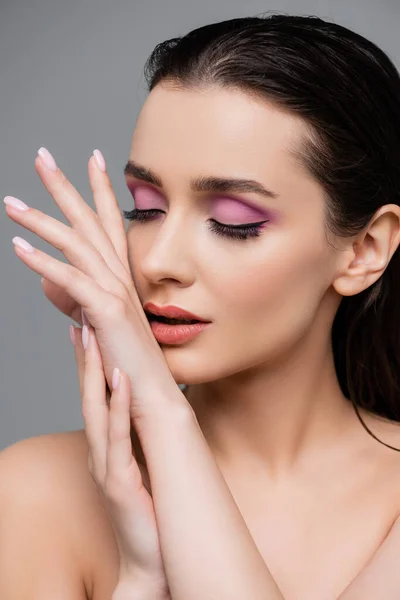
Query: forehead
{"points": [[214, 128]]}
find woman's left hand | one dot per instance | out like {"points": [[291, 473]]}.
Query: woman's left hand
{"points": [[100, 283], [123, 483]]}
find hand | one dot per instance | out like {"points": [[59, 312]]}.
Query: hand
{"points": [[109, 238], [99, 281], [123, 483]]}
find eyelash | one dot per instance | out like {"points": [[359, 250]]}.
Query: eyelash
{"points": [[230, 231]]}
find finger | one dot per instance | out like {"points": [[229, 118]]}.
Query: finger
{"points": [[77, 250], [107, 313], [120, 456], [107, 208], [80, 361], [112, 317], [85, 321], [93, 298], [80, 215], [79, 357], [94, 407]]}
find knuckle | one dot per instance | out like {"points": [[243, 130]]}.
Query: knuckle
{"points": [[111, 493], [114, 489]]}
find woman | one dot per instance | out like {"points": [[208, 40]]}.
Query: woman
{"points": [[265, 172]]}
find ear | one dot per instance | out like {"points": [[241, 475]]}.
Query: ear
{"points": [[367, 258]]}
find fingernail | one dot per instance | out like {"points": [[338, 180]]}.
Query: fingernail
{"points": [[100, 160], [72, 334], [23, 244], [85, 320], [15, 203], [47, 159], [115, 378], [85, 336]]}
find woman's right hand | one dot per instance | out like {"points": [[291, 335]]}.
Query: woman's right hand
{"points": [[122, 481], [61, 300]]}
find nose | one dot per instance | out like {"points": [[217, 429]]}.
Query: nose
{"points": [[168, 254]]}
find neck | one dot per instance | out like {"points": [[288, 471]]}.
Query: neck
{"points": [[275, 419]]}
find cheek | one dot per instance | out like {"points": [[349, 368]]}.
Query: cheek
{"points": [[271, 296]]}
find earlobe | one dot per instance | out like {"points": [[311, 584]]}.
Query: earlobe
{"points": [[353, 283]]}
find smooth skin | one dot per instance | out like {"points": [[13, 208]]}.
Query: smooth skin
{"points": [[313, 488], [178, 457]]}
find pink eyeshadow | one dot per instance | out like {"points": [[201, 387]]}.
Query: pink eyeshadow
{"points": [[224, 209], [236, 212]]}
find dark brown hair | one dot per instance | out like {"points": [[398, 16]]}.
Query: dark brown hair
{"points": [[347, 91]]}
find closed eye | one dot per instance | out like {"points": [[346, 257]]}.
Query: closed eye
{"points": [[237, 232]]}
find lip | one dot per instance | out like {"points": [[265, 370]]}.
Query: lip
{"points": [[173, 335], [171, 312]]}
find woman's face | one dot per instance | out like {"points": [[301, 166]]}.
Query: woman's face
{"points": [[262, 293]]}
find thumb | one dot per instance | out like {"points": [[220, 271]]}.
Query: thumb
{"points": [[61, 300]]}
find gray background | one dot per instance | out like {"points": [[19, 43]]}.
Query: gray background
{"points": [[71, 80]]}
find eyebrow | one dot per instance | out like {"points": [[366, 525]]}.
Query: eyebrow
{"points": [[202, 183]]}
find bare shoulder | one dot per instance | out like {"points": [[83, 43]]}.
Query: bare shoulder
{"points": [[48, 475]]}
